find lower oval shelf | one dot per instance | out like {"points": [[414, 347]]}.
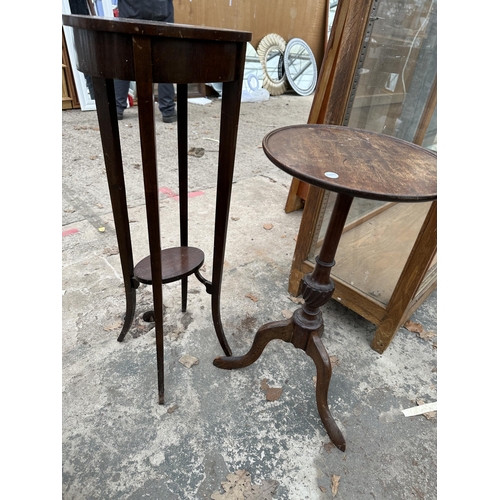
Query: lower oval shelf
{"points": [[176, 263]]}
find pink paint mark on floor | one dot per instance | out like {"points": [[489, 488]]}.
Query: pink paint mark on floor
{"points": [[69, 232], [167, 191], [193, 194], [171, 194]]}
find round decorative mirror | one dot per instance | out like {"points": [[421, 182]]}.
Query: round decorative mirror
{"points": [[253, 77], [300, 67], [271, 50]]}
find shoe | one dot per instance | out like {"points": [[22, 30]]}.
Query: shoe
{"points": [[119, 116], [170, 118]]}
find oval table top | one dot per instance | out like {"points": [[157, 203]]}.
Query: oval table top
{"points": [[355, 162]]}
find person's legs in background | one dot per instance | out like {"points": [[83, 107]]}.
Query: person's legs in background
{"points": [[166, 100], [121, 95], [157, 10], [166, 94]]}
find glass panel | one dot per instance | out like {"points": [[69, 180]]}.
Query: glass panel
{"points": [[430, 139], [397, 69], [331, 15], [360, 210], [396, 74]]}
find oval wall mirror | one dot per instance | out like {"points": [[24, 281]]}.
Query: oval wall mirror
{"points": [[254, 73], [300, 67], [271, 50]]}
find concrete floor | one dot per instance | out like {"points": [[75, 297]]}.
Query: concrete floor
{"points": [[118, 443]]}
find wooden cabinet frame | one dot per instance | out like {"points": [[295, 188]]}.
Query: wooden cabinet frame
{"points": [[333, 96], [69, 94]]}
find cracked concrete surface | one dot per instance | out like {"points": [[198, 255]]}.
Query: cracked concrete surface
{"points": [[118, 443]]}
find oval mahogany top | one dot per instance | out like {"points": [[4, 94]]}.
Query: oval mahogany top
{"points": [[154, 28], [176, 263], [355, 162]]}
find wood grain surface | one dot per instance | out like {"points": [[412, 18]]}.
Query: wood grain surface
{"points": [[368, 164]]}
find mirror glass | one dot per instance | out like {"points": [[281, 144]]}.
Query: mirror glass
{"points": [[300, 67], [331, 15], [253, 66]]}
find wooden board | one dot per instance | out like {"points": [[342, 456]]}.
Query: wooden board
{"points": [[66, 99], [305, 19], [69, 95]]}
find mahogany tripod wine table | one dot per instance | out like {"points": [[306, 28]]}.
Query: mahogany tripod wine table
{"points": [[150, 52], [352, 163]]}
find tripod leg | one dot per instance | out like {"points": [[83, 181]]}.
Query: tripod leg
{"points": [[316, 350], [282, 330]]}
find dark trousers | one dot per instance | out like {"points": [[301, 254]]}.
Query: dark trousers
{"points": [[166, 95], [156, 10]]}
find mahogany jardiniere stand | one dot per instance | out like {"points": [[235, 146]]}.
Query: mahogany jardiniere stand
{"points": [[150, 52], [352, 163]]}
